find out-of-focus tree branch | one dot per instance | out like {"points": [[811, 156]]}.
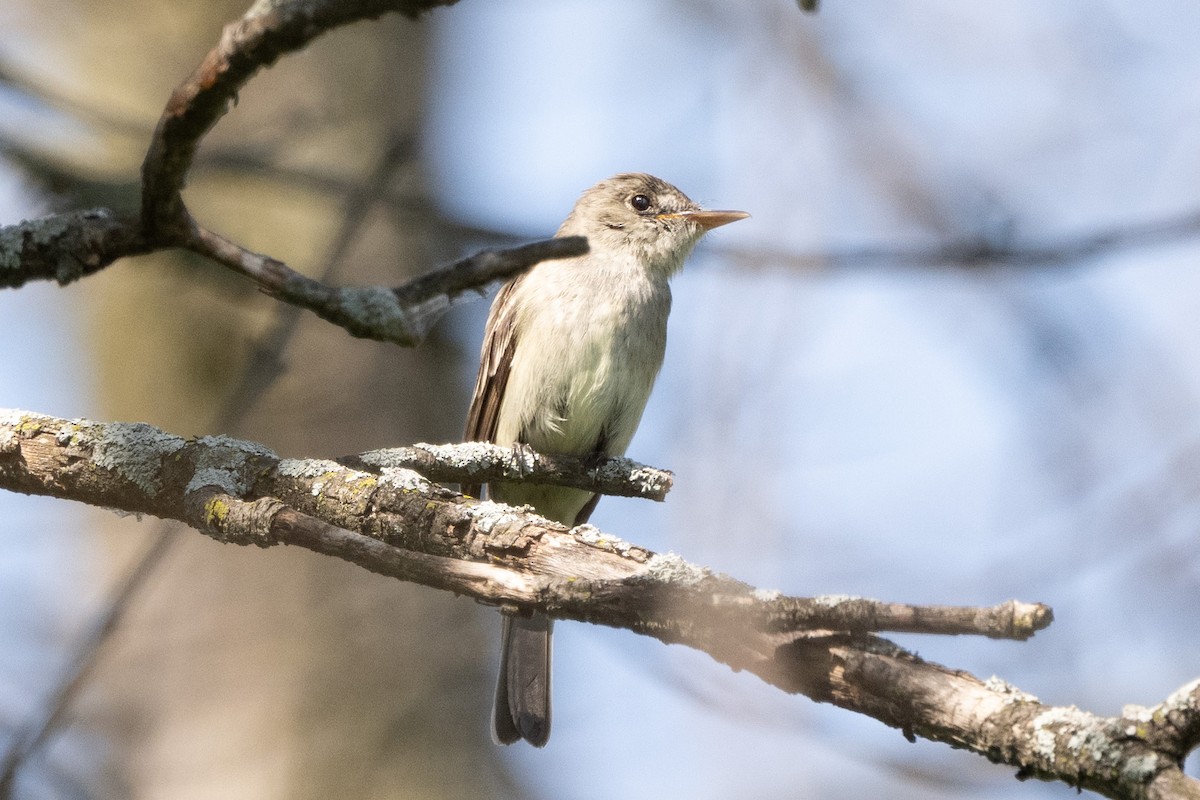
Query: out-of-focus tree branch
{"points": [[398, 523], [973, 252], [69, 246], [982, 251], [268, 30]]}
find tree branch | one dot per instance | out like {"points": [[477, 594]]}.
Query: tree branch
{"points": [[483, 462], [983, 251], [270, 28], [403, 314], [66, 247], [400, 524], [580, 573], [69, 246]]}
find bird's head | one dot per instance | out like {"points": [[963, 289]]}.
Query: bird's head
{"points": [[644, 217]]}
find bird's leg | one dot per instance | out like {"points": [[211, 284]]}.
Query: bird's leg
{"points": [[523, 457], [594, 459]]}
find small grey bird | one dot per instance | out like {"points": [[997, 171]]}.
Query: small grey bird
{"points": [[570, 353]]}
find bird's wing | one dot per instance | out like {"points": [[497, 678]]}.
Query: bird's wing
{"points": [[499, 344]]}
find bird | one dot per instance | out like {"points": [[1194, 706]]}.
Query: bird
{"points": [[571, 350]]}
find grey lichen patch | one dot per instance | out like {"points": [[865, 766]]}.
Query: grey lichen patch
{"points": [[317, 471], [521, 458], [378, 310], [654, 482], [642, 480], [10, 420], [1186, 697], [39, 232], [134, 451], [1135, 713], [1086, 736], [224, 463], [54, 239], [835, 600], [1140, 769], [469, 457], [502, 532], [490, 515], [20, 423], [13, 417], [1044, 741], [406, 480], [222, 442], [1011, 693], [671, 568], [589, 534], [307, 467]]}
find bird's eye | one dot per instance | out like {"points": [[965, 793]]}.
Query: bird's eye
{"points": [[639, 202]]}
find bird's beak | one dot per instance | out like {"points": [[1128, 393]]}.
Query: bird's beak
{"points": [[710, 219]]}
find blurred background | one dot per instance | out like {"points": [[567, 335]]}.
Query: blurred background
{"points": [[954, 357]]}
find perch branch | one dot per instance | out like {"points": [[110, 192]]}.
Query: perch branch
{"points": [[482, 462], [580, 574], [398, 523]]}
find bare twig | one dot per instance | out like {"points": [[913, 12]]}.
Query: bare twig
{"points": [[981, 252], [265, 362], [268, 30]]}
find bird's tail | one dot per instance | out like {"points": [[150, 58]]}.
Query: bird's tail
{"points": [[522, 708]]}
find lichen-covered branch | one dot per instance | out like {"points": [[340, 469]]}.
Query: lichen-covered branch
{"points": [[397, 522], [1134, 755], [66, 247], [483, 462], [579, 574], [403, 314]]}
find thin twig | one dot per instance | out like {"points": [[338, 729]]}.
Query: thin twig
{"points": [[268, 30], [402, 315], [979, 252], [483, 462], [265, 364]]}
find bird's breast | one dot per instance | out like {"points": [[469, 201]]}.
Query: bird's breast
{"points": [[584, 367]]}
